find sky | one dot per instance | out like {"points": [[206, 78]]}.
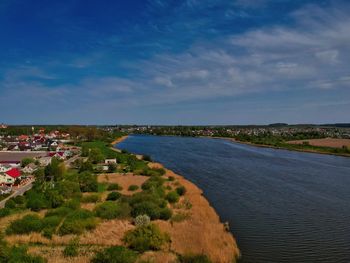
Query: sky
{"points": [[174, 62]]}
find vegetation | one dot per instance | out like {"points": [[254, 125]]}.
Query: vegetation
{"points": [[116, 254], [172, 197], [112, 187], [17, 254], [72, 249], [145, 238], [111, 210], [113, 196], [142, 220], [133, 187]]}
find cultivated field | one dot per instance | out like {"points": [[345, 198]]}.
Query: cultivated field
{"points": [[326, 142]]}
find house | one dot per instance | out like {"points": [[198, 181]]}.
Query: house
{"points": [[30, 168], [108, 161], [10, 176], [58, 155], [4, 168]]}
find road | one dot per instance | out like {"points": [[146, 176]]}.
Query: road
{"points": [[71, 160], [19, 191]]}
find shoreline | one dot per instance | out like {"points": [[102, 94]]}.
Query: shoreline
{"points": [[119, 140], [279, 148], [204, 229]]}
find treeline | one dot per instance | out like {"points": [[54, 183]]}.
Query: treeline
{"points": [[80, 132]]}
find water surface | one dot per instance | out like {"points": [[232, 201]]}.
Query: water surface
{"points": [[282, 206]]}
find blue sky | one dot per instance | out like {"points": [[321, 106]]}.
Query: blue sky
{"points": [[174, 62]]}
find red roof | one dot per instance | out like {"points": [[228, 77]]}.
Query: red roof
{"points": [[51, 154], [14, 173]]}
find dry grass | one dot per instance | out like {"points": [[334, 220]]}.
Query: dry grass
{"points": [[326, 142], [54, 254], [158, 257], [202, 232], [107, 233], [124, 181]]}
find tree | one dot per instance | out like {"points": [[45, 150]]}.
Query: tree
{"points": [[112, 167], [55, 170], [96, 156], [87, 182], [27, 161]]}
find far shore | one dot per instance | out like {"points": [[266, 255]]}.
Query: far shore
{"points": [[280, 148]]}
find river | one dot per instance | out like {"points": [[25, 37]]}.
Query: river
{"points": [[282, 206]]}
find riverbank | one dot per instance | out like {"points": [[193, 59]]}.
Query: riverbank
{"points": [[200, 230], [119, 140], [318, 151]]}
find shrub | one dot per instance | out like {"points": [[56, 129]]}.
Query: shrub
{"points": [[88, 182], [113, 187], [142, 220], [113, 196], [10, 204], [165, 213], [36, 201], [180, 216], [146, 238], [73, 204], [146, 208], [117, 254], [51, 221], [19, 199], [171, 178], [4, 212], [133, 187], [91, 198], [25, 225], [77, 222], [172, 197], [71, 250], [18, 254], [194, 259], [153, 182], [111, 210], [59, 212], [147, 158], [181, 190]]}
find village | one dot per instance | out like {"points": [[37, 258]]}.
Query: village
{"points": [[21, 156]]}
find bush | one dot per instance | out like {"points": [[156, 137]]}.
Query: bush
{"points": [[165, 213], [25, 225], [88, 182], [153, 182], [172, 197], [181, 190], [91, 198], [19, 199], [194, 259], [111, 210], [142, 220], [59, 212], [17, 254], [77, 222], [113, 196], [73, 204], [71, 250], [4, 212], [36, 201], [117, 254], [113, 187], [10, 204], [146, 208], [147, 158], [146, 238], [133, 187], [171, 178]]}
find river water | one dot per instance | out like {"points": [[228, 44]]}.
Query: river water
{"points": [[282, 206]]}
